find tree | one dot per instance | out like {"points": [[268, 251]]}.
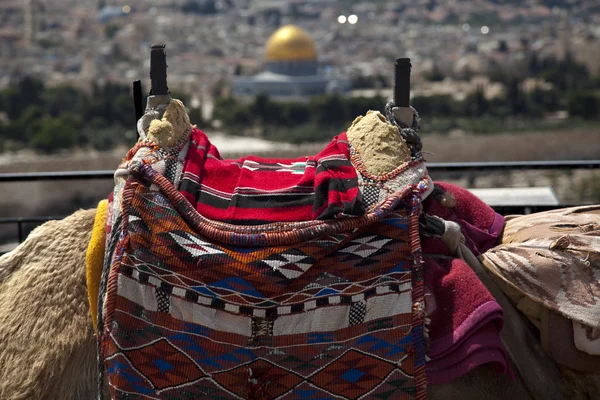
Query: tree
{"points": [[266, 111], [329, 110], [55, 133], [516, 98], [437, 105], [546, 99], [16, 99], [61, 98], [360, 105], [295, 113], [195, 115], [533, 65], [223, 107], [435, 75], [584, 104], [476, 104]]}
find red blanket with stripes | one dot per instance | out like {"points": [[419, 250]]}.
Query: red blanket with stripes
{"points": [[321, 186]]}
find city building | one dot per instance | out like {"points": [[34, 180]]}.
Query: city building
{"points": [[291, 69]]}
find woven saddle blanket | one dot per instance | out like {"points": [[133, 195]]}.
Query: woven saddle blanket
{"points": [[326, 305]]}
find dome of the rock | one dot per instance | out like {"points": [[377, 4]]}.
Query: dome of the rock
{"points": [[290, 43], [291, 69]]}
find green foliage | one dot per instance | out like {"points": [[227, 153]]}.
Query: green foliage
{"points": [[547, 100], [319, 119], [360, 105], [438, 105], [435, 75], [369, 82], [476, 104], [295, 113], [61, 98], [584, 104], [566, 75], [49, 119], [195, 115], [56, 133], [233, 114], [264, 111], [15, 100], [328, 110], [53, 118]]}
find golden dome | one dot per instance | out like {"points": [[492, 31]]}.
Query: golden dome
{"points": [[290, 43]]}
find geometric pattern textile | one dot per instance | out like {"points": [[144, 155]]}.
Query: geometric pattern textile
{"points": [[196, 308], [262, 279]]}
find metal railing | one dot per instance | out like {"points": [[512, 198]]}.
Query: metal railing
{"points": [[432, 167], [472, 167], [20, 221]]}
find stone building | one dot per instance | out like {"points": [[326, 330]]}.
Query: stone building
{"points": [[291, 69]]}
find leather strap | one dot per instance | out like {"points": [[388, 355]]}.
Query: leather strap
{"points": [[540, 374]]}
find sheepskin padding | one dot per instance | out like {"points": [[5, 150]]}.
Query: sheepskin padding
{"points": [[166, 132], [379, 143], [47, 345]]}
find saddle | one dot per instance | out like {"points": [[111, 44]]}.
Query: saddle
{"points": [[547, 263], [267, 278]]}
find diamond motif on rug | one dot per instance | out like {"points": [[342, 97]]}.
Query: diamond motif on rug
{"points": [[195, 246], [291, 263], [325, 279], [352, 375], [365, 246], [273, 378], [164, 365], [394, 386]]}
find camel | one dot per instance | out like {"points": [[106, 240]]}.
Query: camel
{"points": [[47, 342]]}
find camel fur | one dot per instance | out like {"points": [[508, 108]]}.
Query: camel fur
{"points": [[47, 344]]}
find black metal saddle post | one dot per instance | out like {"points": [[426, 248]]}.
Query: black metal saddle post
{"points": [[159, 94], [398, 111], [158, 70], [401, 92], [399, 108], [137, 100]]}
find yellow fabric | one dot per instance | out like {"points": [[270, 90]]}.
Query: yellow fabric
{"points": [[94, 258]]}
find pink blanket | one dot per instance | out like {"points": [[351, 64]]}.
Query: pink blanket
{"points": [[465, 318]]}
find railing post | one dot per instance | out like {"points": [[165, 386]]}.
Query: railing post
{"points": [[20, 230], [137, 100]]}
